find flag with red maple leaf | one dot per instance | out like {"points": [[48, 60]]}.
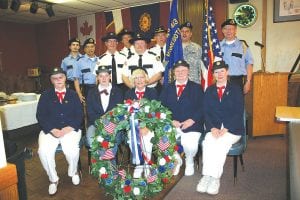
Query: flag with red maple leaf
{"points": [[86, 27]]}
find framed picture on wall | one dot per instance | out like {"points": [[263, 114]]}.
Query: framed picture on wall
{"points": [[286, 10]]}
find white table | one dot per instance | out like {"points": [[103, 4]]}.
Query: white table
{"points": [[14, 116]]}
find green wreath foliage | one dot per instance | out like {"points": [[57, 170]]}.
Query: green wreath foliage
{"points": [[116, 179]]}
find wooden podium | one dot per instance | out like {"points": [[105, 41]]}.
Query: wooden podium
{"points": [[268, 91], [8, 183]]}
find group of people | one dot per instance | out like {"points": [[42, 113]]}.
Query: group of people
{"points": [[135, 72]]}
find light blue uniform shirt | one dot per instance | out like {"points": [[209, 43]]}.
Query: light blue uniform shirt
{"points": [[68, 65], [236, 58], [85, 67]]}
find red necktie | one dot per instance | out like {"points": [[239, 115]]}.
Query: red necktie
{"points": [[104, 92], [139, 94], [220, 92], [180, 89], [60, 96]]}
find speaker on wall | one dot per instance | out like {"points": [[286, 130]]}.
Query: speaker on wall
{"points": [[238, 1], [4, 4]]}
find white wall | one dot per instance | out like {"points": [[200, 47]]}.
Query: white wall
{"points": [[282, 39]]}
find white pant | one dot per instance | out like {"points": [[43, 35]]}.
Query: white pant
{"points": [[215, 151], [70, 147], [190, 143]]}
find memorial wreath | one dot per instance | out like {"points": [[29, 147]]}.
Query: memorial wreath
{"points": [[115, 178]]}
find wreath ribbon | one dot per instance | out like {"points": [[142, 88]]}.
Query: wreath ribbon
{"points": [[135, 143]]}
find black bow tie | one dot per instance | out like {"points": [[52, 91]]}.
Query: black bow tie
{"points": [[104, 92]]}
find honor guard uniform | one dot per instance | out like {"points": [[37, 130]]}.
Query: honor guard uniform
{"points": [[192, 52], [68, 63], [113, 59], [160, 35], [237, 55], [85, 67], [124, 37], [145, 59]]}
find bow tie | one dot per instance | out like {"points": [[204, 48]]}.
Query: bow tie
{"points": [[60, 96], [140, 94], [104, 92], [180, 89]]}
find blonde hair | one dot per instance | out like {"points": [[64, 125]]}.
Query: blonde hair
{"points": [[137, 72]]}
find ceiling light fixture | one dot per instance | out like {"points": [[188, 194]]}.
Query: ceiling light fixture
{"points": [[4, 4], [34, 7], [49, 10], [15, 5]]}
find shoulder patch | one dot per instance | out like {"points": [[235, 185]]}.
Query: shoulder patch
{"points": [[102, 55], [150, 52]]}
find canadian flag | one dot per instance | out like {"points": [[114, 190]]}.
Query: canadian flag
{"points": [[86, 27]]}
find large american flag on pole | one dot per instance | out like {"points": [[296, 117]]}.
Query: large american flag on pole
{"points": [[211, 50]]}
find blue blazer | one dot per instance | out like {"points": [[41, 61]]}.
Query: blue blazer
{"points": [[94, 105], [150, 93], [188, 106], [229, 111], [53, 114]]}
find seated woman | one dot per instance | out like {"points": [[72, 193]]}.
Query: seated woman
{"points": [[223, 112], [139, 79]]}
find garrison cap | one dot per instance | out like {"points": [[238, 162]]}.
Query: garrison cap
{"points": [[228, 22], [181, 63], [57, 70], [73, 40], [219, 65], [89, 41], [187, 25]]}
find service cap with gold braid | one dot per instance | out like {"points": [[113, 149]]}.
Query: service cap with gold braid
{"points": [[181, 63], [228, 22], [73, 40], [89, 41], [110, 35], [160, 29], [103, 68], [219, 65], [139, 36]]}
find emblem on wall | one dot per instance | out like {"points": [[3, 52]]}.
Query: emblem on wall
{"points": [[145, 22]]}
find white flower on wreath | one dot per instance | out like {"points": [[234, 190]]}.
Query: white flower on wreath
{"points": [[136, 191], [136, 105], [102, 170], [147, 109], [162, 161], [100, 139], [163, 115]]}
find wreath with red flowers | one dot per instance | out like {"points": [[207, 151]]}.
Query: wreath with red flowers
{"points": [[115, 179]]}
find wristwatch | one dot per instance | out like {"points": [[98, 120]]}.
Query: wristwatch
{"points": [[245, 15]]}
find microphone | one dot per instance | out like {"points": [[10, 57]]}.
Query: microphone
{"points": [[259, 44]]}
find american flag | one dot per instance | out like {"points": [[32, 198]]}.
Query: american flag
{"points": [[122, 173], [109, 127], [108, 155], [163, 145], [210, 45], [152, 177]]}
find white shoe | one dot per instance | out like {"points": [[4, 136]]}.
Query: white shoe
{"points": [[137, 173], [75, 179], [189, 170], [53, 188], [203, 184], [178, 162], [213, 186]]}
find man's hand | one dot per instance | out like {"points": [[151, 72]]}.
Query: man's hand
{"points": [[56, 133], [187, 123], [176, 123], [67, 130], [247, 87], [82, 98], [215, 132], [144, 131], [223, 131]]}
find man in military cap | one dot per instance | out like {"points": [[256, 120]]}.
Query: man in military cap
{"points": [[223, 113], [113, 59], [125, 36], [101, 99], [192, 52], [237, 55], [68, 63], [160, 36], [59, 113], [184, 98], [85, 66], [145, 59]]}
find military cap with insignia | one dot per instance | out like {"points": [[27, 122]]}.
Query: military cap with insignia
{"points": [[219, 65], [73, 40], [110, 35], [228, 22], [139, 36], [181, 63], [187, 25], [103, 68], [125, 32], [57, 70], [160, 29], [89, 41]]}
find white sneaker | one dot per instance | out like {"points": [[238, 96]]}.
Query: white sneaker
{"points": [[75, 179], [189, 170], [53, 188], [213, 186], [137, 173], [177, 165], [203, 184]]}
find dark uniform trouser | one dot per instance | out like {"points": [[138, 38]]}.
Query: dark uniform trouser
{"points": [[238, 80], [85, 88]]}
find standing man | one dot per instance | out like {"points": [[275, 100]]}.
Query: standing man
{"points": [[192, 52], [113, 59], [125, 36], [85, 66], [59, 113], [223, 112], [160, 36], [237, 55], [145, 59], [68, 63], [184, 98]]}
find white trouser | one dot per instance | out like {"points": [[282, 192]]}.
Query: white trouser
{"points": [[47, 148], [190, 143], [215, 151]]}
